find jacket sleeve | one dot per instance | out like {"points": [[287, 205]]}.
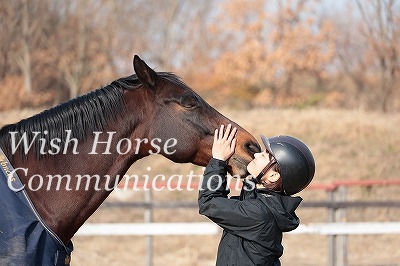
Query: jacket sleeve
{"points": [[243, 218]]}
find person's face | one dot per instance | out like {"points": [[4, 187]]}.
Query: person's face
{"points": [[259, 162]]}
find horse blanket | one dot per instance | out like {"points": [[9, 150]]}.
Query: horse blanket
{"points": [[24, 237]]}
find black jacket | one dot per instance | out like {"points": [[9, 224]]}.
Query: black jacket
{"points": [[253, 223]]}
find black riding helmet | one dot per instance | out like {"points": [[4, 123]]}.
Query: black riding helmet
{"points": [[295, 160]]}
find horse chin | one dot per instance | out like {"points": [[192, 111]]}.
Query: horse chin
{"points": [[237, 167], [237, 171]]}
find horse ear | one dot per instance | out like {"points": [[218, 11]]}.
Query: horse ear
{"points": [[145, 74]]}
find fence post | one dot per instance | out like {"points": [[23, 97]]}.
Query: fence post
{"points": [[342, 239], [332, 254], [148, 218]]}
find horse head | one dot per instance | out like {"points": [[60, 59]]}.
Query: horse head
{"points": [[181, 117]]}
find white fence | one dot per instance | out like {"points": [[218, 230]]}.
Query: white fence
{"points": [[336, 229], [206, 228]]}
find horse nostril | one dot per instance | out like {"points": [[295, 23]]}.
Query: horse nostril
{"points": [[252, 147]]}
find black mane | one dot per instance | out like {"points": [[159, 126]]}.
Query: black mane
{"points": [[81, 115], [89, 112]]}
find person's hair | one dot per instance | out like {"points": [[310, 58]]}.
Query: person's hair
{"points": [[276, 186]]}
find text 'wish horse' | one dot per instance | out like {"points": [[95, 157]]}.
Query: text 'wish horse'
{"points": [[101, 133]]}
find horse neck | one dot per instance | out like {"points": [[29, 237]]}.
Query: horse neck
{"points": [[97, 156]]}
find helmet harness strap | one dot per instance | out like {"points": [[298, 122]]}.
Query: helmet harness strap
{"points": [[265, 170]]}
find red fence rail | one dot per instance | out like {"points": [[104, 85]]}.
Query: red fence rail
{"points": [[314, 186]]}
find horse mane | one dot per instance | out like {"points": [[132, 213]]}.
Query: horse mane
{"points": [[81, 115], [89, 112]]}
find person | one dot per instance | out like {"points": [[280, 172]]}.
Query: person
{"points": [[253, 223]]}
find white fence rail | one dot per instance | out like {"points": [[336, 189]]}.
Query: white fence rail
{"points": [[147, 229], [206, 228]]}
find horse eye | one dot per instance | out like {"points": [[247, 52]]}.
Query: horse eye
{"points": [[189, 103]]}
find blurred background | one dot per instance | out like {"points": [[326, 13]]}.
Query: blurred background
{"points": [[245, 53], [325, 71]]}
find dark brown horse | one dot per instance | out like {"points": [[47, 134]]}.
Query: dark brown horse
{"points": [[103, 133]]}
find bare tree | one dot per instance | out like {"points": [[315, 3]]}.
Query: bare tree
{"points": [[9, 22], [369, 52], [33, 16], [381, 29], [80, 46]]}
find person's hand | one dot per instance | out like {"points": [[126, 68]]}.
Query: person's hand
{"points": [[224, 143]]}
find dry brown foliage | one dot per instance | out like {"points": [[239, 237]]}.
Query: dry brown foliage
{"points": [[260, 53]]}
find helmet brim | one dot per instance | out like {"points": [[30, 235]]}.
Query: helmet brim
{"points": [[267, 145]]}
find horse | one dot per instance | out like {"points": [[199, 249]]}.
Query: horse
{"points": [[102, 133]]}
